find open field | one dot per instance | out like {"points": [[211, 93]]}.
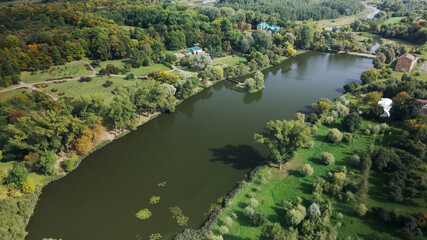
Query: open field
{"points": [[383, 40], [71, 70], [76, 88], [393, 20], [342, 21], [288, 183], [141, 71], [231, 61]]}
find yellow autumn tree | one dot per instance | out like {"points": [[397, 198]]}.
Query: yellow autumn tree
{"points": [[28, 186], [84, 144]]}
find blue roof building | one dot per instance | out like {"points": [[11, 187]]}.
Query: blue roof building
{"points": [[193, 50], [265, 26]]}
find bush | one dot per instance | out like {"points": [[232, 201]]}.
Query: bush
{"points": [[249, 211], [340, 216], [361, 209], [228, 221], [223, 230], [351, 87], [17, 175], [352, 122], [68, 165], [46, 162], [329, 120], [258, 219], [328, 158], [107, 83], [355, 160], [253, 203], [154, 199], [334, 135], [307, 170], [347, 137], [314, 210], [28, 186]]}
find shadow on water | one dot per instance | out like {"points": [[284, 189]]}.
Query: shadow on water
{"points": [[240, 156], [249, 98]]}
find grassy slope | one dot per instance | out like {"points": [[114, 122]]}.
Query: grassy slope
{"points": [[136, 71], [10, 94], [284, 186], [231, 61], [71, 69], [76, 88]]}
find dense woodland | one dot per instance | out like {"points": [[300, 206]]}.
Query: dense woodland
{"points": [[34, 127], [298, 10]]}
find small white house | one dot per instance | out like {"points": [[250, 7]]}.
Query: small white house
{"points": [[386, 104]]}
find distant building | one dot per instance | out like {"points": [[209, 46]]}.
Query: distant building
{"points": [[406, 62], [193, 50], [271, 29], [386, 104]]}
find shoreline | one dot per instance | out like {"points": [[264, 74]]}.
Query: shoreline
{"points": [[105, 142]]}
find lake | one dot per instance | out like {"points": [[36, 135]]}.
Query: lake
{"points": [[200, 151]]}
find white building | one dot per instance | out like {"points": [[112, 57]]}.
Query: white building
{"points": [[386, 104]]}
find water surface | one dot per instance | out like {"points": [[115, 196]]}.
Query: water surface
{"points": [[201, 151]]}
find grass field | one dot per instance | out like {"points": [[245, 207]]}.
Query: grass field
{"points": [[71, 69], [393, 20], [141, 71], [76, 89], [287, 184], [11, 93], [384, 40], [342, 21], [231, 61]]}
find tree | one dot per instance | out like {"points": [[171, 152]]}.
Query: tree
{"points": [[405, 107], [328, 158], [372, 97], [250, 85], [334, 135], [351, 87], [361, 209], [28, 186], [84, 144], [262, 39], [369, 76], [46, 162], [307, 170], [259, 80], [200, 61], [323, 106], [217, 73], [175, 40], [283, 138], [352, 122], [17, 175], [314, 210]]}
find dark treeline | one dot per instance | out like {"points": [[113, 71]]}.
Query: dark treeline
{"points": [[402, 8], [298, 10]]}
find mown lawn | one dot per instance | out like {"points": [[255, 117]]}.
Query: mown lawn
{"points": [[141, 71], [231, 61], [76, 88], [71, 69], [287, 184]]}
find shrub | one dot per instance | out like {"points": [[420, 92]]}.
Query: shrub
{"points": [[307, 170], [352, 122], [143, 214], [361, 209], [223, 229], [351, 87], [312, 118], [355, 160], [314, 210], [17, 175], [253, 203], [249, 211], [329, 120], [347, 137], [28, 186], [107, 83], [334, 135], [258, 219], [328, 158], [228, 221], [295, 215], [340, 216], [68, 165]]}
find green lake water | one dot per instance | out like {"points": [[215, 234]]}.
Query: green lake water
{"points": [[200, 151]]}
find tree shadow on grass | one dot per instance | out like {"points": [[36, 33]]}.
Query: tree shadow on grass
{"points": [[240, 156]]}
